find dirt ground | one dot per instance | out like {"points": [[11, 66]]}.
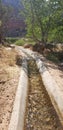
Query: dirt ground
{"points": [[9, 75], [56, 71]]}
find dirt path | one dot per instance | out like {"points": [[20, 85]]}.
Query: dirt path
{"points": [[56, 72], [38, 117], [40, 113]]}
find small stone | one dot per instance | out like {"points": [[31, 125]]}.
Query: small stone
{"points": [[0, 121], [7, 95], [31, 115], [9, 111], [34, 110], [48, 119]]}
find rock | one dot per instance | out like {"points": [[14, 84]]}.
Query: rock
{"points": [[28, 46], [0, 121]]}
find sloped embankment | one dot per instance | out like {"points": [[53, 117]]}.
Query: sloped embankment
{"points": [[9, 76]]}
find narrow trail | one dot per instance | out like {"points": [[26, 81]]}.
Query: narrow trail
{"points": [[40, 113]]}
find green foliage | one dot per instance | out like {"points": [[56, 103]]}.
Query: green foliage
{"points": [[56, 35], [20, 42], [44, 19], [23, 41], [55, 57], [52, 57], [59, 34], [11, 40]]}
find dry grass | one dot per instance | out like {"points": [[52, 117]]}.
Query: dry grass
{"points": [[9, 75], [7, 60], [7, 56]]}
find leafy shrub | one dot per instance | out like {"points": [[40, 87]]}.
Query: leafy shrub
{"points": [[23, 41], [56, 35], [20, 42], [11, 40], [52, 58]]}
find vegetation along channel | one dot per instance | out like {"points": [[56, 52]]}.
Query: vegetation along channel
{"points": [[40, 113]]}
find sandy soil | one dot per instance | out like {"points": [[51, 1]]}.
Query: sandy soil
{"points": [[56, 72], [9, 75]]}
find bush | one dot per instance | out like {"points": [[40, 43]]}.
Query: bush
{"points": [[23, 41], [11, 40], [56, 35], [52, 58], [20, 42]]}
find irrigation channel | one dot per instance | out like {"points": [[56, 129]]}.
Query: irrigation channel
{"points": [[40, 113]]}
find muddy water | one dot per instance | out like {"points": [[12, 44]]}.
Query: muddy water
{"points": [[40, 113]]}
